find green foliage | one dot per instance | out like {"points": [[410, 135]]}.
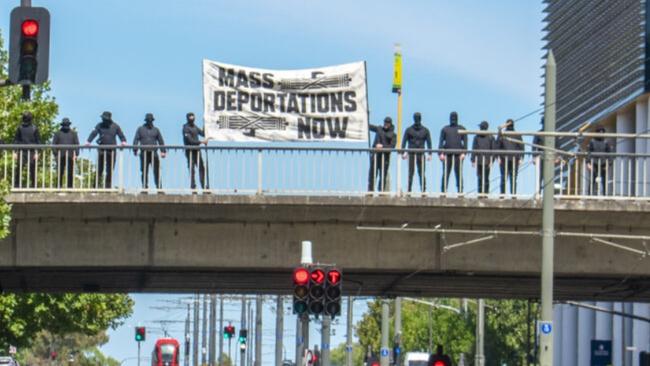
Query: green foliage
{"points": [[75, 348], [424, 327], [338, 355], [25, 315]]}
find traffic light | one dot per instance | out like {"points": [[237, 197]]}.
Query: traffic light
{"points": [[439, 358], [300, 290], [316, 290], [333, 292], [29, 45], [372, 361], [228, 331], [315, 358], [243, 334], [140, 334]]}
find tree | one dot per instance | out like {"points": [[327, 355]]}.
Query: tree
{"points": [[424, 327], [74, 348], [338, 355], [22, 316]]}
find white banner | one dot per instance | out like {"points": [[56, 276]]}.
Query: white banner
{"points": [[246, 104]]}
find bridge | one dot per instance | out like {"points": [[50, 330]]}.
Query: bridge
{"points": [[392, 243]]}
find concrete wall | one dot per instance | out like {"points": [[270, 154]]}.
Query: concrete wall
{"points": [[242, 243]]}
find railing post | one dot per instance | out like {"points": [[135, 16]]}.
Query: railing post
{"points": [[398, 185], [120, 169], [259, 171]]}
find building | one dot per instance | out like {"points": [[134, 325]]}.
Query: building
{"points": [[602, 50]]}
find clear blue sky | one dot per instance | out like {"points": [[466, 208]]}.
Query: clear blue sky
{"points": [[480, 58]]}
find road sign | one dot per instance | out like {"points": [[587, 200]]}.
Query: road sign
{"points": [[601, 352], [545, 328], [384, 352]]}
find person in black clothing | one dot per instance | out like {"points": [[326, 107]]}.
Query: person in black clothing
{"points": [[65, 157], [26, 134], [417, 137], [149, 135], [191, 133], [598, 163], [380, 161], [108, 132], [450, 139], [483, 161], [509, 163]]}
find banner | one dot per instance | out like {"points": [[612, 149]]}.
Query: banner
{"points": [[247, 104]]}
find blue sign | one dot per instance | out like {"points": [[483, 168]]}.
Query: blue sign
{"points": [[384, 352], [546, 328], [601, 353]]}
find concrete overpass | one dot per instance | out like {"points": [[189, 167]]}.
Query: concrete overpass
{"points": [[237, 243]]}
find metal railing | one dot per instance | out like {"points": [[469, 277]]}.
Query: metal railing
{"points": [[319, 171]]}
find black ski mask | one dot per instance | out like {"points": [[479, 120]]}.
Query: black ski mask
{"points": [[65, 125], [453, 118], [510, 125], [417, 120], [600, 130], [388, 124], [190, 118], [27, 118]]}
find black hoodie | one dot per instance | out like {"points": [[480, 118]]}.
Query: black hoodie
{"points": [[386, 138]]}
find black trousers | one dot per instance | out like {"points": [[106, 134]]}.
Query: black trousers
{"points": [[65, 168], [105, 165], [452, 163], [483, 176], [417, 160], [509, 170], [25, 160], [195, 158], [598, 171], [379, 164], [147, 159]]}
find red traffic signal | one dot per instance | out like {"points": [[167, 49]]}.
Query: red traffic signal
{"points": [[333, 277], [317, 276], [439, 363], [30, 28], [300, 276]]}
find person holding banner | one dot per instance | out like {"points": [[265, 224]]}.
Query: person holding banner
{"points": [[385, 138], [191, 134], [417, 137]]}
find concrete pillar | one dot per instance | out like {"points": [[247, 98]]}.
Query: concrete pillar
{"points": [[586, 332], [558, 336], [569, 329], [604, 322], [617, 339], [624, 124], [641, 147], [641, 331]]}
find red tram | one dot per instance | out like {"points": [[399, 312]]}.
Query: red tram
{"points": [[166, 352]]}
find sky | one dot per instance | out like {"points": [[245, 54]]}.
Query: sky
{"points": [[482, 59]]}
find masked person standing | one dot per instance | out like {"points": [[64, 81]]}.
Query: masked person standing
{"points": [[26, 134], [417, 137], [451, 139], [66, 157], [148, 136], [380, 161], [482, 161], [108, 132], [598, 163], [509, 163], [191, 133]]}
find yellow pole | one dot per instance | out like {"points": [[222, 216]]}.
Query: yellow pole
{"points": [[397, 88]]}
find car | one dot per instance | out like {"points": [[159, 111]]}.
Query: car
{"points": [[7, 361]]}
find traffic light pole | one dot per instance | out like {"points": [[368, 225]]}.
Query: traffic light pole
{"points": [[195, 333], [258, 330], [548, 217], [348, 339], [398, 331], [243, 327], [213, 332], [325, 340], [480, 327], [279, 330], [383, 353], [204, 333], [139, 353], [220, 357]]}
